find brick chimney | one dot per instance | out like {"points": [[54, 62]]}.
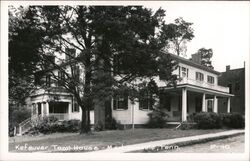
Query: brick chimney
{"points": [[196, 58], [227, 67]]}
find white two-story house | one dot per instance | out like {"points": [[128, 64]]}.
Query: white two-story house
{"points": [[196, 91]]}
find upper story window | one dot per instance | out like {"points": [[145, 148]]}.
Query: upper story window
{"points": [[48, 80], [199, 76], [76, 73], [230, 88], [210, 79], [120, 102], [70, 53], [61, 78], [237, 86], [184, 72]]}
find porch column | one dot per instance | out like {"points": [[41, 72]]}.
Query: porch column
{"points": [[47, 108], [69, 110], [204, 109], [42, 109], [228, 105], [215, 109], [184, 104], [36, 106]]}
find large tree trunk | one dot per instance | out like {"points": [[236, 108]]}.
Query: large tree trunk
{"points": [[99, 108], [85, 126], [87, 103]]}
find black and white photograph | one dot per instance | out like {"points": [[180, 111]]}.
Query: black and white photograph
{"points": [[125, 80]]}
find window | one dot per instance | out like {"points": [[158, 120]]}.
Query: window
{"points": [[230, 88], [48, 80], [75, 108], [210, 79], [120, 102], [184, 72], [146, 100], [199, 76], [61, 78], [70, 53], [210, 105], [76, 73], [237, 86]]}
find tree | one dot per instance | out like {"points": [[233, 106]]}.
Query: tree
{"points": [[206, 55], [107, 40], [178, 33], [24, 45]]}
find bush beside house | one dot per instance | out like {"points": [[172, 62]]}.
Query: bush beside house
{"points": [[211, 120], [157, 119], [51, 125]]}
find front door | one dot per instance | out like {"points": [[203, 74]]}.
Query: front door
{"points": [[39, 108], [198, 104]]}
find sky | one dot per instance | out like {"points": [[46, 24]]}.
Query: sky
{"points": [[223, 26]]}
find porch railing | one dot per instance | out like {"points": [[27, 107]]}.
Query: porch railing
{"points": [[204, 84]]}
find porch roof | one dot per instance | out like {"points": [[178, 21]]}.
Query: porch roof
{"points": [[199, 89]]}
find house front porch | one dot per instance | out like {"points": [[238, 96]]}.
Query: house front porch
{"points": [[184, 100]]}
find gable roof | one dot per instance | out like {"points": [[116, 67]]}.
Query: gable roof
{"points": [[192, 63]]}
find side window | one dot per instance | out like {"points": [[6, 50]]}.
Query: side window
{"points": [[230, 87], [75, 108], [237, 86], [120, 102], [184, 72], [48, 80]]}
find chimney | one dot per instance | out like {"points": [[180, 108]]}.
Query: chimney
{"points": [[227, 67], [196, 58]]}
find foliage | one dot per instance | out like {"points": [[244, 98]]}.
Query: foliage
{"points": [[157, 119], [17, 114], [210, 120], [112, 124], [207, 120], [178, 33], [51, 125], [187, 125], [232, 120], [130, 37], [206, 55]]}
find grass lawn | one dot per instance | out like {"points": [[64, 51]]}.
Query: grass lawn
{"points": [[73, 142]]}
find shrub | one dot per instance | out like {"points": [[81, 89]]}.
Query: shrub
{"points": [[111, 123], [187, 126], [157, 119], [17, 114], [232, 120], [50, 125], [207, 120], [70, 126]]}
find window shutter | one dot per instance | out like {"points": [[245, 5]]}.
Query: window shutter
{"points": [[140, 103], [125, 103], [114, 103]]}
